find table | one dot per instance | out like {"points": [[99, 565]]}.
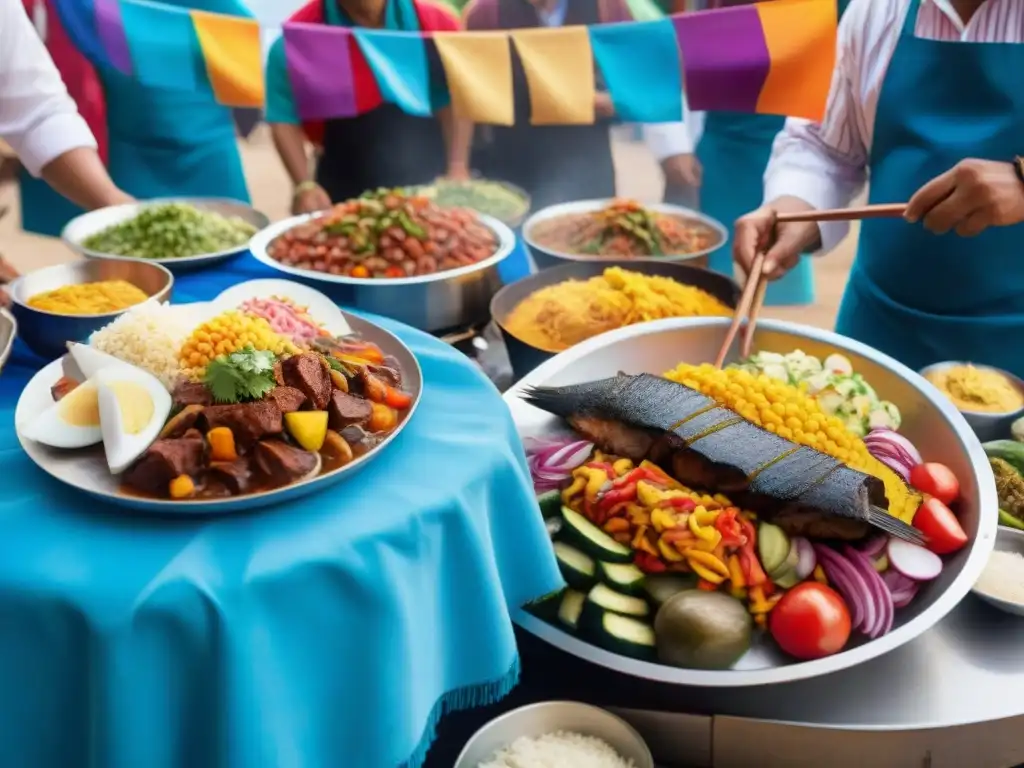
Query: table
{"points": [[331, 631]]}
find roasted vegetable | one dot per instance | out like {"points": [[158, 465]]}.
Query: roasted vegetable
{"points": [[309, 428]]}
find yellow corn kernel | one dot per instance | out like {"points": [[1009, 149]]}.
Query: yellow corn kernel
{"points": [[227, 333]]}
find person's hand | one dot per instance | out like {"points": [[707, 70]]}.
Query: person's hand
{"points": [[968, 199], [682, 170], [603, 106], [310, 197], [760, 230]]}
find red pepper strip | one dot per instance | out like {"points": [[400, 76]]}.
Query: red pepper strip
{"points": [[727, 524], [618, 510], [753, 573], [706, 585], [681, 503], [617, 496], [638, 474], [648, 563], [396, 398]]}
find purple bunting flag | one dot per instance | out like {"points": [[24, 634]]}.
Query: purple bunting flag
{"points": [[110, 28], [320, 70]]}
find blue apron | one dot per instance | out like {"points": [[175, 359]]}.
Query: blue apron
{"points": [[162, 143], [924, 298], [734, 151]]}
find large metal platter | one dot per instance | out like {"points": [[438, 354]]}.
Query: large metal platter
{"points": [[86, 469], [546, 257], [442, 301], [929, 420], [8, 333], [82, 227]]}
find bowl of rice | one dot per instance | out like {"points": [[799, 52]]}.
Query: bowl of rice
{"points": [[556, 734]]}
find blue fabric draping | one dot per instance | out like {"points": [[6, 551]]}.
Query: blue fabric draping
{"points": [[329, 631]]}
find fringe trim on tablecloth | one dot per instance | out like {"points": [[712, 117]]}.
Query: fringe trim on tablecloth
{"points": [[469, 697]]}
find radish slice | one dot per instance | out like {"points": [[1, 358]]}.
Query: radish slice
{"points": [[912, 561], [806, 559]]}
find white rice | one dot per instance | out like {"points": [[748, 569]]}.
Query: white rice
{"points": [[1003, 577], [562, 749], [149, 336]]}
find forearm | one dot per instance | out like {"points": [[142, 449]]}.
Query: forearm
{"points": [[79, 175], [290, 142], [458, 138]]}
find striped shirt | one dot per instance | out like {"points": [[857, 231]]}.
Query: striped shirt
{"points": [[826, 164]]}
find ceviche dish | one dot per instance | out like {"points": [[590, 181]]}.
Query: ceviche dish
{"points": [[702, 511], [624, 229], [386, 234], [253, 398]]}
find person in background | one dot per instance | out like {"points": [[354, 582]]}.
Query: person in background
{"points": [[556, 163], [384, 147], [926, 101], [160, 142]]}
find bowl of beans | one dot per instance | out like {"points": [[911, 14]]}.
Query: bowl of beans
{"points": [[395, 254], [67, 302]]}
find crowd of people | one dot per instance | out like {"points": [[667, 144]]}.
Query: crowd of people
{"points": [[925, 102]]}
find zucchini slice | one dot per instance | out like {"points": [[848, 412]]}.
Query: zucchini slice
{"points": [[571, 608], [581, 533], [605, 598], [550, 504], [626, 636], [578, 569], [627, 579]]}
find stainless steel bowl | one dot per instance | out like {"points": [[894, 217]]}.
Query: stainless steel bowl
{"points": [[8, 332], [987, 426], [1007, 540], [80, 228], [549, 716], [544, 256], [442, 301], [47, 333], [929, 420]]}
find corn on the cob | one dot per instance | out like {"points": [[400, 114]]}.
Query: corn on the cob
{"points": [[790, 413], [227, 333]]}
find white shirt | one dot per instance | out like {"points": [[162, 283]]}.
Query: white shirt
{"points": [[826, 164], [37, 116]]}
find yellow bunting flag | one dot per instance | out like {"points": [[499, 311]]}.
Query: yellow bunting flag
{"points": [[478, 67], [801, 40], [559, 69], [234, 60]]}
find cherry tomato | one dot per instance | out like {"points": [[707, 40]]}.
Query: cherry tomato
{"points": [[938, 523], [936, 480], [810, 621]]}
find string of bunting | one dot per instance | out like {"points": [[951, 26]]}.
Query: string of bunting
{"points": [[769, 58]]}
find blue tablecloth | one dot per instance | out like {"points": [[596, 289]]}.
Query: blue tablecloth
{"points": [[330, 632]]}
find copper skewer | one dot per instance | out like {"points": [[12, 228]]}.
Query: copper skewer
{"points": [[884, 211], [749, 306]]}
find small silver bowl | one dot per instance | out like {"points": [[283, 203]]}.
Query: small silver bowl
{"points": [[1007, 540], [48, 333], [987, 426], [549, 716]]}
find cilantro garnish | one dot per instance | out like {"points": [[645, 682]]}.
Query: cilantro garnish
{"points": [[247, 374]]}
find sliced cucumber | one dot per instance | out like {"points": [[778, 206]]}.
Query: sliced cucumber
{"points": [[661, 586], [581, 533], [570, 609], [626, 636], [789, 563], [605, 598], [627, 579], [772, 546], [550, 504], [787, 579], [577, 568]]}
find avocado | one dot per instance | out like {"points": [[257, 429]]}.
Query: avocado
{"points": [[702, 630]]}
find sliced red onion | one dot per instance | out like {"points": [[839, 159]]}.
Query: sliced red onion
{"points": [[806, 559], [896, 581], [849, 584], [893, 450], [909, 450], [904, 597], [879, 591], [873, 547], [569, 457]]}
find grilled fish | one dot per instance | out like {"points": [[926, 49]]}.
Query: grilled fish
{"points": [[704, 445]]}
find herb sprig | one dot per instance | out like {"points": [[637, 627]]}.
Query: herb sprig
{"points": [[245, 375]]}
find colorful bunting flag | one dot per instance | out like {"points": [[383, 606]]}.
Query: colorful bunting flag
{"points": [[559, 70], [478, 67], [399, 62], [110, 30], [641, 68], [163, 46], [79, 19], [233, 54], [320, 68]]}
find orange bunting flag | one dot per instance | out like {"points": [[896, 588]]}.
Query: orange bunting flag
{"points": [[559, 67], [478, 68], [233, 56]]}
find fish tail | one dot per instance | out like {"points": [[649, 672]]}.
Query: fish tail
{"points": [[894, 526]]}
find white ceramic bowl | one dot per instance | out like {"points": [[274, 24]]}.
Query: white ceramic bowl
{"points": [[1007, 540]]}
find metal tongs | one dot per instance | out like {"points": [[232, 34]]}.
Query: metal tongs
{"points": [[752, 298]]}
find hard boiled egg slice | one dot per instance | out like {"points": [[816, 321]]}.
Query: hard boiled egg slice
{"points": [[71, 422], [133, 408], [91, 361]]}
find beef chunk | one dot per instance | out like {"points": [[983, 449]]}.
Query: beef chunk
{"points": [[387, 374], [165, 460], [345, 410], [182, 421], [309, 375], [191, 393], [248, 421], [234, 475], [62, 388], [282, 463], [288, 399], [278, 374]]}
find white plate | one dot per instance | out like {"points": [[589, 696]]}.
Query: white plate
{"points": [[320, 307]]}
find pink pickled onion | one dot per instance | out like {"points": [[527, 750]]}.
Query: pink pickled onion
{"points": [[552, 460], [893, 450]]}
